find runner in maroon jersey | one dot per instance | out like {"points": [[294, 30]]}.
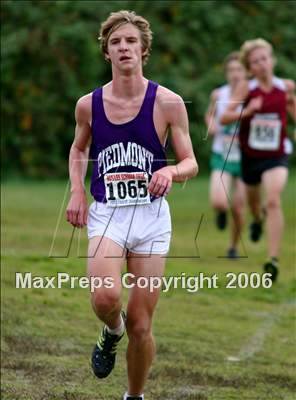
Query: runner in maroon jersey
{"points": [[263, 141]]}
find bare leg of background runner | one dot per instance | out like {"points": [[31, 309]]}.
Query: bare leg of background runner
{"points": [[274, 181], [254, 200], [219, 190], [238, 204]]}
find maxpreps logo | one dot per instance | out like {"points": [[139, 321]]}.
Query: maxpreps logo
{"points": [[117, 156]]}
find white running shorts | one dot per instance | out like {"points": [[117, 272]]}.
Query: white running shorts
{"points": [[142, 229]]}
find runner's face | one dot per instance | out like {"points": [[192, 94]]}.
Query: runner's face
{"points": [[260, 62], [235, 72], [125, 48]]}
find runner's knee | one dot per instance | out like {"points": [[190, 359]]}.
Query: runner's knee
{"points": [[105, 301], [220, 204], [237, 213], [238, 208], [273, 202], [254, 200], [138, 328]]}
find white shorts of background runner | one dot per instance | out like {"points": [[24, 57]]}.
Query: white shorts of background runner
{"points": [[142, 229]]}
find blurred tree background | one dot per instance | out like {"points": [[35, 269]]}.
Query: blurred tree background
{"points": [[51, 57]]}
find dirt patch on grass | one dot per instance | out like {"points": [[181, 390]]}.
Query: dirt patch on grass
{"points": [[189, 393], [206, 379], [36, 344], [31, 344], [280, 380]]}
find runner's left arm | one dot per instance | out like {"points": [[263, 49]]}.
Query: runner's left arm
{"points": [[181, 142], [176, 116], [291, 98]]}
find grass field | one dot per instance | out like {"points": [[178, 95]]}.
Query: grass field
{"points": [[216, 344]]}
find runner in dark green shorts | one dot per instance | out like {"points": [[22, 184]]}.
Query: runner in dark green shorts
{"points": [[225, 160]]}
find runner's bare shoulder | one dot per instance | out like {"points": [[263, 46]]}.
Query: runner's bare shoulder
{"points": [[83, 111], [214, 95], [169, 102], [290, 85]]}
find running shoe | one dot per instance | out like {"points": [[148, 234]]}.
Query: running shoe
{"points": [[221, 220], [255, 231], [272, 267], [232, 253], [104, 353]]}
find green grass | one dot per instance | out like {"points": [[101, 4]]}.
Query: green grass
{"points": [[48, 335]]}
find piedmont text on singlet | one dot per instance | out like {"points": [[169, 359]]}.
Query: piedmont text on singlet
{"points": [[124, 155]]}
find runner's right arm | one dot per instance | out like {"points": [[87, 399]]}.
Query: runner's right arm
{"points": [[78, 161], [238, 97]]}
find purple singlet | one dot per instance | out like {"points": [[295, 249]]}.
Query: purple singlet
{"points": [[124, 155]]}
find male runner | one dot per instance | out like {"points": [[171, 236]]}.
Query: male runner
{"points": [[263, 141], [226, 157], [127, 121]]}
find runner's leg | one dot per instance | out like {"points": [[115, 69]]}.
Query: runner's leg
{"points": [[219, 190], [274, 181], [106, 259], [220, 185], [140, 309], [254, 201], [238, 204]]}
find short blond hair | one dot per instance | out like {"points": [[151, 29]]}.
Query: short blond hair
{"points": [[119, 18], [251, 45]]}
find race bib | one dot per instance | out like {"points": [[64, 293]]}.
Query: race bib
{"points": [[231, 149], [265, 132], [126, 189]]}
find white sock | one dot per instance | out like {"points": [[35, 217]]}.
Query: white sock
{"points": [[126, 396], [119, 330]]}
